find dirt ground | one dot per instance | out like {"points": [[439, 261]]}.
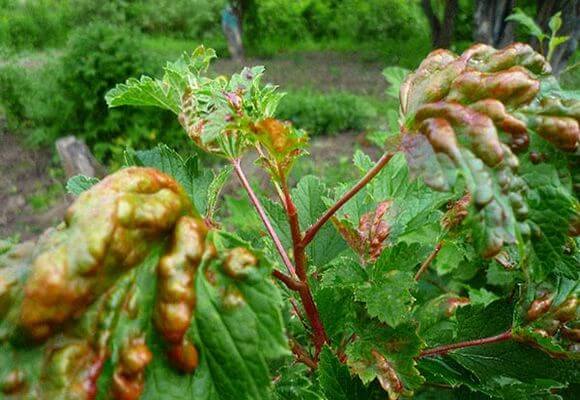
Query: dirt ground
{"points": [[326, 71], [24, 172]]}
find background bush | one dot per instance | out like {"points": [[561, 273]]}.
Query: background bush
{"points": [[96, 58], [272, 25], [38, 24], [33, 24], [326, 113], [66, 95], [189, 19]]}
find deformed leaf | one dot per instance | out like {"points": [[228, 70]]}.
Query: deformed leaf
{"points": [[117, 320], [386, 354]]}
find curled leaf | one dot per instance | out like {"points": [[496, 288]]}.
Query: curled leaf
{"points": [[374, 229], [477, 127], [513, 87], [104, 235], [176, 271]]}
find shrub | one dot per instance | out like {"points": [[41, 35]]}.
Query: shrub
{"points": [[273, 25], [326, 113], [32, 24], [95, 58], [33, 102], [191, 19], [69, 94]]}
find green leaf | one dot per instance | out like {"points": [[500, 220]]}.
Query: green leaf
{"points": [[79, 183], [448, 372], [279, 220], [437, 324], [475, 322], [516, 361], [337, 383], [555, 22], [552, 207], [295, 383], [482, 297], [167, 92], [550, 86], [242, 218], [145, 91], [337, 309], [413, 217], [328, 244], [497, 275], [450, 257], [388, 297], [402, 257], [527, 22], [214, 189], [231, 352], [344, 272], [415, 213], [261, 295], [558, 40], [189, 173], [395, 77], [501, 370]]}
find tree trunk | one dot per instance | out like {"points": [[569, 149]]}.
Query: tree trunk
{"points": [[570, 27], [232, 25], [441, 31], [490, 24]]}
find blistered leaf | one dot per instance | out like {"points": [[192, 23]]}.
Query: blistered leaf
{"points": [[387, 355], [105, 306]]}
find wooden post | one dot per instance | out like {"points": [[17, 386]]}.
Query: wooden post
{"points": [[77, 159]]}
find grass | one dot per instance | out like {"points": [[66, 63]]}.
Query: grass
{"points": [[48, 195]]}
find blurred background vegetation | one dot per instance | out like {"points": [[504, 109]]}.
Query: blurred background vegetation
{"points": [[59, 57]]}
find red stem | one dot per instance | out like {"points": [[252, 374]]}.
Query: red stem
{"points": [[301, 286], [301, 355], [319, 336], [291, 283], [428, 261], [260, 209], [441, 350], [371, 173], [299, 255]]}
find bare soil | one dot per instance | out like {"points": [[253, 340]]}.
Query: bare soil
{"points": [[24, 172], [325, 71]]}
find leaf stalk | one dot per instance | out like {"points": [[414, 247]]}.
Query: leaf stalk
{"points": [[371, 173], [442, 350]]}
